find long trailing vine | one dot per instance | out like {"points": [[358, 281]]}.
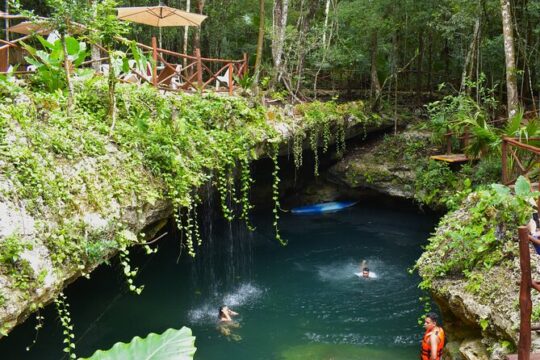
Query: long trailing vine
{"points": [[62, 307], [298, 142], [275, 191], [245, 186]]}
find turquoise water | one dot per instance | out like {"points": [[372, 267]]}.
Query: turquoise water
{"points": [[302, 301]]}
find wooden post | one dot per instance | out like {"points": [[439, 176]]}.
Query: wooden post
{"points": [[245, 68], [199, 68], [4, 58], [154, 56], [525, 304], [449, 142], [504, 157], [231, 69]]}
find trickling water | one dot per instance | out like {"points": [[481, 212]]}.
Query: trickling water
{"points": [[302, 301]]}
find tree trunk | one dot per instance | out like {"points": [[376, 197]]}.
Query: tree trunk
{"points": [[510, 57], [326, 14], [112, 94], [186, 31], [375, 84], [419, 63], [430, 61], [279, 25], [197, 40], [260, 41], [67, 68], [469, 59]]}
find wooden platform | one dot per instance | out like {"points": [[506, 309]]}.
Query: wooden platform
{"points": [[451, 158], [535, 356]]}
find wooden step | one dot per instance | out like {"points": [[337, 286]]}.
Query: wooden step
{"points": [[534, 356], [450, 158]]}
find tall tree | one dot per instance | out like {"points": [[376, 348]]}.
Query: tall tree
{"points": [[510, 57], [260, 41], [279, 25]]}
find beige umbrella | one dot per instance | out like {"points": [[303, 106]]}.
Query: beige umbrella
{"points": [[28, 27], [159, 16]]}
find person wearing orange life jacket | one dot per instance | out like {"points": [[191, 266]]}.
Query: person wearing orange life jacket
{"points": [[433, 340]]}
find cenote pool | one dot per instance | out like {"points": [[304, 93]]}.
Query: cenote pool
{"points": [[302, 301]]}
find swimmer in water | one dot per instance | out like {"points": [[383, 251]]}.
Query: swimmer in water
{"points": [[226, 323], [226, 314], [364, 271]]}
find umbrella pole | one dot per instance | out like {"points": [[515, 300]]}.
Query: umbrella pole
{"points": [[154, 56]]}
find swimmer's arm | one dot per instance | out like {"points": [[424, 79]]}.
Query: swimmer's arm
{"points": [[233, 313]]}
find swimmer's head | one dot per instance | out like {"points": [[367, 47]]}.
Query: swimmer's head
{"points": [[365, 272], [222, 310]]}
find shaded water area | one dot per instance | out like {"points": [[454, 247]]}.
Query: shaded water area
{"points": [[302, 301]]}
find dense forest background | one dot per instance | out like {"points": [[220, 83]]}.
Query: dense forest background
{"points": [[380, 46]]}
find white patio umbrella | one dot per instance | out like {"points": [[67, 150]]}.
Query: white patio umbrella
{"points": [[159, 16]]}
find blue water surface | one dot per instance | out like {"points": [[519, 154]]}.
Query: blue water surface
{"points": [[300, 301]]}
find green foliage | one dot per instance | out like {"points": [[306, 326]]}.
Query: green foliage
{"points": [[12, 263], [480, 237], [49, 62], [434, 182], [172, 344], [327, 121]]}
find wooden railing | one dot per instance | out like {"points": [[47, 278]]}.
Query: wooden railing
{"points": [[515, 164], [169, 70], [525, 302]]}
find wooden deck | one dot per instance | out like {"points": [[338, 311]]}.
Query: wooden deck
{"points": [[451, 158]]}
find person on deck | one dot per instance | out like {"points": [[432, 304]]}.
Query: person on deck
{"points": [[433, 340]]}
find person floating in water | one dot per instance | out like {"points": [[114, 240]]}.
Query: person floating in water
{"points": [[226, 323], [433, 340], [364, 271]]}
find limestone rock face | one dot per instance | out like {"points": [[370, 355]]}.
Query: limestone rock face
{"points": [[47, 280], [473, 349], [375, 167]]}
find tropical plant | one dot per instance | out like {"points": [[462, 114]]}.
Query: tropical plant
{"points": [[49, 62], [171, 345]]}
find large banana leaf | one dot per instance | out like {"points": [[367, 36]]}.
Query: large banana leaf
{"points": [[171, 345]]}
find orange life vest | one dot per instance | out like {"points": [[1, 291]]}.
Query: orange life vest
{"points": [[426, 344]]}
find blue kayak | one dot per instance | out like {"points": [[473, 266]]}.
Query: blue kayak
{"points": [[323, 208]]}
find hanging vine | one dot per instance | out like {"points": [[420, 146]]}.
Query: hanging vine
{"points": [[245, 185], [275, 192], [62, 307], [298, 141], [314, 143], [224, 188], [340, 138]]}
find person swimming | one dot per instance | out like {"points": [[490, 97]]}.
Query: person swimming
{"points": [[364, 271], [225, 314], [226, 323]]}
